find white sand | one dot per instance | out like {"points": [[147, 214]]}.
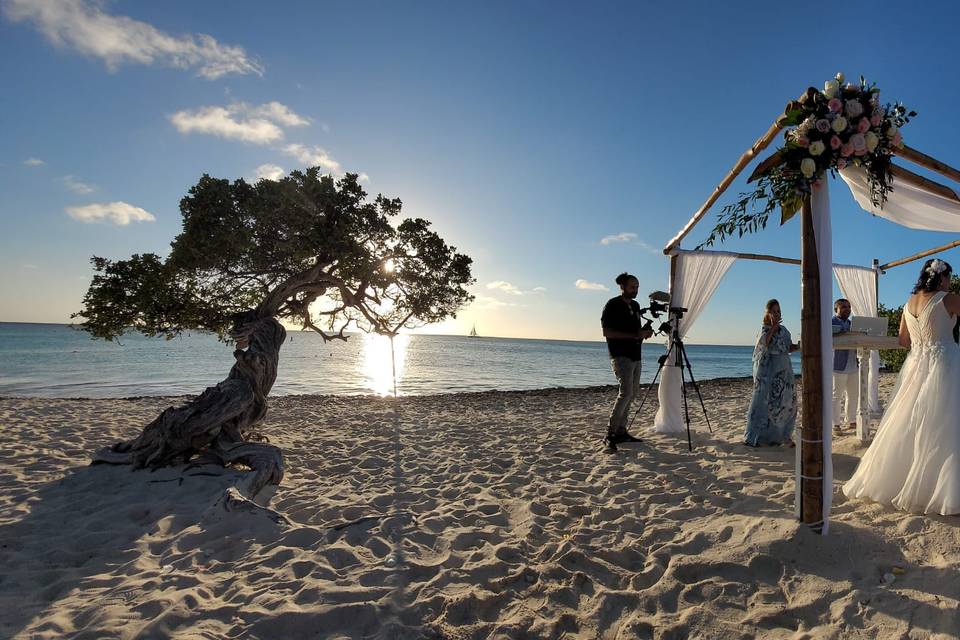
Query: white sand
{"points": [[503, 515]]}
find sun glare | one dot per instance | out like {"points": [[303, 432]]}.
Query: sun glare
{"points": [[389, 266], [377, 369]]}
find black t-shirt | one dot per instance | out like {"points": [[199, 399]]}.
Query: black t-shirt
{"points": [[620, 315]]}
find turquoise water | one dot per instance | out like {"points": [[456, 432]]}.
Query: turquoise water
{"points": [[49, 360]]}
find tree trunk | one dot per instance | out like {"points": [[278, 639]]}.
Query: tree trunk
{"points": [[218, 424]]}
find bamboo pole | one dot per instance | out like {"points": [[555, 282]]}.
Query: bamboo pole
{"points": [[899, 173], [927, 162], [761, 256], [758, 146], [918, 256], [811, 430]]}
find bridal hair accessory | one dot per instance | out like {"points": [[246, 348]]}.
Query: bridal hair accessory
{"points": [[937, 266]]}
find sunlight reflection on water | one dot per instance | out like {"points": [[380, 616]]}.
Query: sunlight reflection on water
{"points": [[377, 365]]}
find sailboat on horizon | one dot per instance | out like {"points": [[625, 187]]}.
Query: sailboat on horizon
{"points": [[473, 331]]}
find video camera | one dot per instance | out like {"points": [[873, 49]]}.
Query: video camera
{"points": [[660, 303]]}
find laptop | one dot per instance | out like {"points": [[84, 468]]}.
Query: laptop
{"points": [[873, 327]]}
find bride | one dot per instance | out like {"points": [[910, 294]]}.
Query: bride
{"points": [[914, 461]]}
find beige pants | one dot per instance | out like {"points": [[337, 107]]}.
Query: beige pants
{"points": [[846, 385]]}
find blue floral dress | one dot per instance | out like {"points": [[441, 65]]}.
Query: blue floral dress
{"points": [[773, 408]]}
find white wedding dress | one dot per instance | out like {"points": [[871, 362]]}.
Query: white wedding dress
{"points": [[914, 461]]}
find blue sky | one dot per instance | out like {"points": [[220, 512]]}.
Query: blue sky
{"points": [[526, 131]]}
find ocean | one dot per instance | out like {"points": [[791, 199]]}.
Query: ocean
{"points": [[57, 361]]}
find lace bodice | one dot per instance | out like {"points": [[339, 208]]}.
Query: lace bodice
{"points": [[932, 326]]}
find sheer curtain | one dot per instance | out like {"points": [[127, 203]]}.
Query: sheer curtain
{"points": [[695, 278], [859, 286], [906, 205]]}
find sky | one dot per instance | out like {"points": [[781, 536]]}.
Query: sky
{"points": [[556, 143]]}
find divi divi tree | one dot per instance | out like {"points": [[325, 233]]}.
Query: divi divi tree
{"points": [[309, 250]]}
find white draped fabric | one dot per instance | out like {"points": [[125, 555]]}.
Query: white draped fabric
{"points": [[906, 204], [696, 276], [820, 205], [859, 286]]}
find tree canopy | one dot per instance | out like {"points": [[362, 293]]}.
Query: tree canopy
{"points": [[308, 248]]}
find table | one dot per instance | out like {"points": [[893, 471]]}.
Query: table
{"points": [[864, 344]]}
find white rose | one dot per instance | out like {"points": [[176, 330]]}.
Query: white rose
{"points": [[816, 148], [840, 124], [839, 78], [872, 141], [808, 167], [892, 131], [853, 108], [831, 88]]}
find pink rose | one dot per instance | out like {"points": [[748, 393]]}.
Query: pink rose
{"points": [[841, 164], [853, 108], [847, 150], [802, 141], [835, 105], [823, 125], [835, 142], [876, 119], [859, 144], [863, 126]]}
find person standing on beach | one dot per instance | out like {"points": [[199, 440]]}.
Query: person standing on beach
{"points": [[846, 378], [773, 407], [625, 334]]}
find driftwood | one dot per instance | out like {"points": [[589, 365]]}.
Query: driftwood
{"points": [[217, 426]]}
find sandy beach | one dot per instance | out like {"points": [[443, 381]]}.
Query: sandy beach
{"points": [[489, 515]]}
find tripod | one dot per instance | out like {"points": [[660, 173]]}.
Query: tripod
{"points": [[680, 360]]}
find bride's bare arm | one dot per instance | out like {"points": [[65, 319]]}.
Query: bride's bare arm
{"points": [[903, 337]]}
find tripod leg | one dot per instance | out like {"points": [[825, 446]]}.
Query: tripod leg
{"points": [[696, 388], [686, 410], [649, 387]]}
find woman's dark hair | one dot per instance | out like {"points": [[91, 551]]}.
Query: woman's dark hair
{"points": [[933, 269], [625, 277], [766, 313]]}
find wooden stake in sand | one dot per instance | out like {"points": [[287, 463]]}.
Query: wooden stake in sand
{"points": [[811, 429]]}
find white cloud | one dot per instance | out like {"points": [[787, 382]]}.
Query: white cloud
{"points": [[119, 213], [83, 26], [29, 267], [33, 162], [312, 157], [505, 286], [240, 121], [70, 182], [486, 302], [539, 290], [619, 237], [363, 177], [269, 172], [279, 113], [590, 286], [631, 238]]}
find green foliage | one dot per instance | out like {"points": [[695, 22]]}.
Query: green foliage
{"points": [[306, 248], [892, 359]]}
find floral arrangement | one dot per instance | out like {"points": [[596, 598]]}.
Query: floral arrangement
{"points": [[844, 124]]}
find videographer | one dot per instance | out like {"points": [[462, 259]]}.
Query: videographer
{"points": [[624, 331]]}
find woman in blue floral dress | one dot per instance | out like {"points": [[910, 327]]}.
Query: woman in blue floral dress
{"points": [[773, 408]]}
